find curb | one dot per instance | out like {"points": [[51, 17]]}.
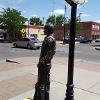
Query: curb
{"points": [[97, 48]]}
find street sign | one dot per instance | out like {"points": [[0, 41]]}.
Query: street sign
{"points": [[23, 30]]}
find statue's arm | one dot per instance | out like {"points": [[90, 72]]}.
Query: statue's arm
{"points": [[50, 51]]}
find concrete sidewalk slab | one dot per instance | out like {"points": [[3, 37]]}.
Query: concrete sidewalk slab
{"points": [[85, 84], [17, 85], [83, 79], [57, 92], [4, 75], [86, 80], [95, 88]]}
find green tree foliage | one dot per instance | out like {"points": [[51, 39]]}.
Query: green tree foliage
{"points": [[51, 20], [78, 26], [36, 21], [60, 20], [12, 21], [56, 20]]}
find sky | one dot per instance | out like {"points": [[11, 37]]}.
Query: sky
{"points": [[90, 10]]}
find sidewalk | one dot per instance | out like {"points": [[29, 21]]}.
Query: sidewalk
{"points": [[17, 81]]}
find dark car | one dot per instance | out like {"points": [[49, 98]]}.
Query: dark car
{"points": [[28, 43], [85, 40]]}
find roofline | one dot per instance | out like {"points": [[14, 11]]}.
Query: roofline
{"points": [[35, 27], [90, 22]]}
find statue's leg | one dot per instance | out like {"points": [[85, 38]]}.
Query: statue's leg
{"points": [[40, 86], [47, 86], [39, 92], [36, 92], [47, 89]]}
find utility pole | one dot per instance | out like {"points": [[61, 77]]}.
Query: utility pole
{"points": [[28, 27], [43, 21], [64, 24], [53, 12]]}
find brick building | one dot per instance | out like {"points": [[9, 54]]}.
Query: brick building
{"points": [[88, 29], [91, 29], [58, 32], [37, 31]]}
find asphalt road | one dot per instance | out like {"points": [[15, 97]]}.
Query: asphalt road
{"points": [[82, 51]]}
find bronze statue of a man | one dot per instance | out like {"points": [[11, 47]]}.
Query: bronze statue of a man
{"points": [[48, 48]]}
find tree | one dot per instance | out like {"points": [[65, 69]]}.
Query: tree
{"points": [[56, 20], [60, 20], [12, 21], [78, 26], [51, 20], [36, 21]]}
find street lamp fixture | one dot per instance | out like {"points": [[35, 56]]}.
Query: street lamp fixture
{"points": [[78, 2], [70, 85], [80, 16]]}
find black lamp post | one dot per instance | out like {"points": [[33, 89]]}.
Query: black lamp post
{"points": [[70, 85]]}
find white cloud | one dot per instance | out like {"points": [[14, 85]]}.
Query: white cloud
{"points": [[57, 12], [85, 15], [86, 1], [34, 15]]}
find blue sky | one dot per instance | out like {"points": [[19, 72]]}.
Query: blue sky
{"points": [[44, 8]]}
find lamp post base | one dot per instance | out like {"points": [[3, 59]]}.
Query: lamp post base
{"points": [[69, 92]]}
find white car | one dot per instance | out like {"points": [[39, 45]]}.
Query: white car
{"points": [[97, 40], [1, 38], [30, 43]]}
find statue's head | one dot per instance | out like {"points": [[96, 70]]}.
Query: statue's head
{"points": [[48, 29]]}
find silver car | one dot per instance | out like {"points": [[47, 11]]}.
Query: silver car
{"points": [[30, 43]]}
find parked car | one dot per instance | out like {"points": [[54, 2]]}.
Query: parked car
{"points": [[1, 38], [85, 40], [29, 43], [97, 40], [67, 38]]}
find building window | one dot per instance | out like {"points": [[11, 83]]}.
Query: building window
{"points": [[96, 27]]}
